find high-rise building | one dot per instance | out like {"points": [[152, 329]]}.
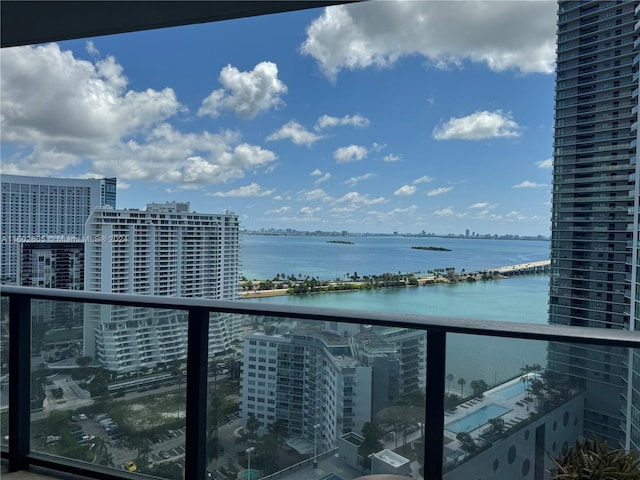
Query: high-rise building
{"points": [[41, 207], [595, 202], [163, 250], [53, 264], [632, 427], [320, 382], [296, 380]]}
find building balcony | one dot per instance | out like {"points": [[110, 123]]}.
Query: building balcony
{"points": [[155, 401]]}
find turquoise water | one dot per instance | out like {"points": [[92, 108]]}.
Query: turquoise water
{"points": [[494, 360], [517, 299], [511, 391], [477, 418], [265, 256]]}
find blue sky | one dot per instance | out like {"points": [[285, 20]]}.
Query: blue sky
{"points": [[376, 117]]}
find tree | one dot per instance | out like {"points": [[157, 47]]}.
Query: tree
{"points": [[373, 435], [450, 378], [267, 453], [462, 382], [250, 431], [479, 387], [279, 430], [83, 361], [595, 461], [140, 441], [415, 398], [393, 417], [497, 425], [467, 442], [451, 400], [104, 456]]}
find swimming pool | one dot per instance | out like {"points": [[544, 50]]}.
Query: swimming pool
{"points": [[510, 391], [476, 419]]}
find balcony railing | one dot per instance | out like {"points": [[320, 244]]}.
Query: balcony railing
{"points": [[438, 330]]}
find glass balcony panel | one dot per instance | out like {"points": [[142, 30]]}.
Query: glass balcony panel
{"points": [[108, 385], [300, 398], [520, 403]]}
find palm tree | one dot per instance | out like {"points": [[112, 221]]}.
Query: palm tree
{"points": [[372, 434], [461, 382], [393, 417], [450, 378]]}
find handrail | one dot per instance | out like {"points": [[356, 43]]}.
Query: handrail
{"points": [[198, 309], [493, 328]]}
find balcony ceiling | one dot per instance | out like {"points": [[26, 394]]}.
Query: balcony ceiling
{"points": [[29, 22]]}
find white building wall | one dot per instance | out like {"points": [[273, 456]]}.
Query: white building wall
{"points": [[164, 250], [516, 456], [308, 385]]}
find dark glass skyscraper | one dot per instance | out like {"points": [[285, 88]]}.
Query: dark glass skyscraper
{"points": [[594, 194]]}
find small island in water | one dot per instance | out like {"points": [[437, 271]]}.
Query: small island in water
{"points": [[345, 242], [436, 249]]}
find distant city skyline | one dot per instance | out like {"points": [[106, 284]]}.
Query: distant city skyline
{"points": [[338, 121], [471, 235]]}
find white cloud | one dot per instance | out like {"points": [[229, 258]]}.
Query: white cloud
{"points": [[122, 185], [445, 212], [357, 120], [377, 147], [350, 153], [528, 184], [296, 132], [62, 111], [478, 126], [57, 103], [251, 190], [316, 173], [91, 48], [279, 210], [355, 180], [246, 93], [515, 215], [317, 194], [391, 158], [354, 198], [405, 190], [548, 163], [172, 156], [424, 179], [482, 205], [391, 215], [323, 178], [378, 34], [438, 191], [41, 162], [309, 210]]}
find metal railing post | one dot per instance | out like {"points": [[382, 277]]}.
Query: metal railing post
{"points": [[197, 364], [19, 380], [434, 413]]}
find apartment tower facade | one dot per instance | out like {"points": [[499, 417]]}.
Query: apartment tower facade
{"points": [[40, 207], [594, 207], [164, 250]]}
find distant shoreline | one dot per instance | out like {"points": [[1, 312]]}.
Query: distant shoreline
{"points": [[361, 286], [440, 276], [287, 233]]}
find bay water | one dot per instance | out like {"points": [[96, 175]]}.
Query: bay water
{"points": [[518, 299]]}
